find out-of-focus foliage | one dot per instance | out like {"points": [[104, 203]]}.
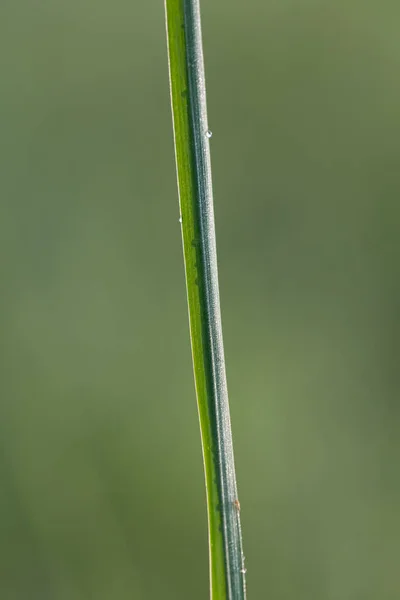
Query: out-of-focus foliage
{"points": [[101, 491]]}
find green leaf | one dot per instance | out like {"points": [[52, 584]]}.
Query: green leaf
{"points": [[191, 134]]}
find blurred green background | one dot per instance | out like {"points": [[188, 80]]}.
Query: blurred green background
{"points": [[101, 483]]}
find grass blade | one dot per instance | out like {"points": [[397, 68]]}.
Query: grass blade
{"points": [[192, 151]]}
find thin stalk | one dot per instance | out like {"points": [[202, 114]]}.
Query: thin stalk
{"points": [[191, 134]]}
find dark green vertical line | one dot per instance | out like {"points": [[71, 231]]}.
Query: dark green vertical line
{"points": [[214, 349], [192, 149]]}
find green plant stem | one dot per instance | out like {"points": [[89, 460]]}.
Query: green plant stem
{"points": [[188, 98]]}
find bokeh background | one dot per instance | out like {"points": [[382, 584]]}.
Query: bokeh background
{"points": [[101, 483]]}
